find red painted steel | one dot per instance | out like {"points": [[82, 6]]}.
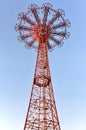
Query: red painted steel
{"points": [[42, 31]]}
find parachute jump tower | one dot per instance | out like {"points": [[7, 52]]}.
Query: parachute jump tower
{"points": [[42, 28]]}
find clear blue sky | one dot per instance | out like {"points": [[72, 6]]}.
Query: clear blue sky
{"points": [[67, 64]]}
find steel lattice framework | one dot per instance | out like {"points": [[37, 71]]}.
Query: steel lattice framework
{"points": [[42, 28]]}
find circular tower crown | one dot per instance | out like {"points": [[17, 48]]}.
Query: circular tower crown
{"points": [[42, 24]]}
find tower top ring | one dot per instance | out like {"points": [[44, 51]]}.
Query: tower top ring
{"points": [[42, 22]]}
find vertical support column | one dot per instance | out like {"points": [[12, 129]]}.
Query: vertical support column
{"points": [[42, 114]]}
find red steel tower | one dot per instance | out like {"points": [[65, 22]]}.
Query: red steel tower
{"points": [[42, 28]]}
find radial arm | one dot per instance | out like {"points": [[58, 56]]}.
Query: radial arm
{"points": [[61, 24], [59, 33], [57, 15], [27, 19], [23, 27], [24, 36], [34, 11], [46, 10], [55, 40]]}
